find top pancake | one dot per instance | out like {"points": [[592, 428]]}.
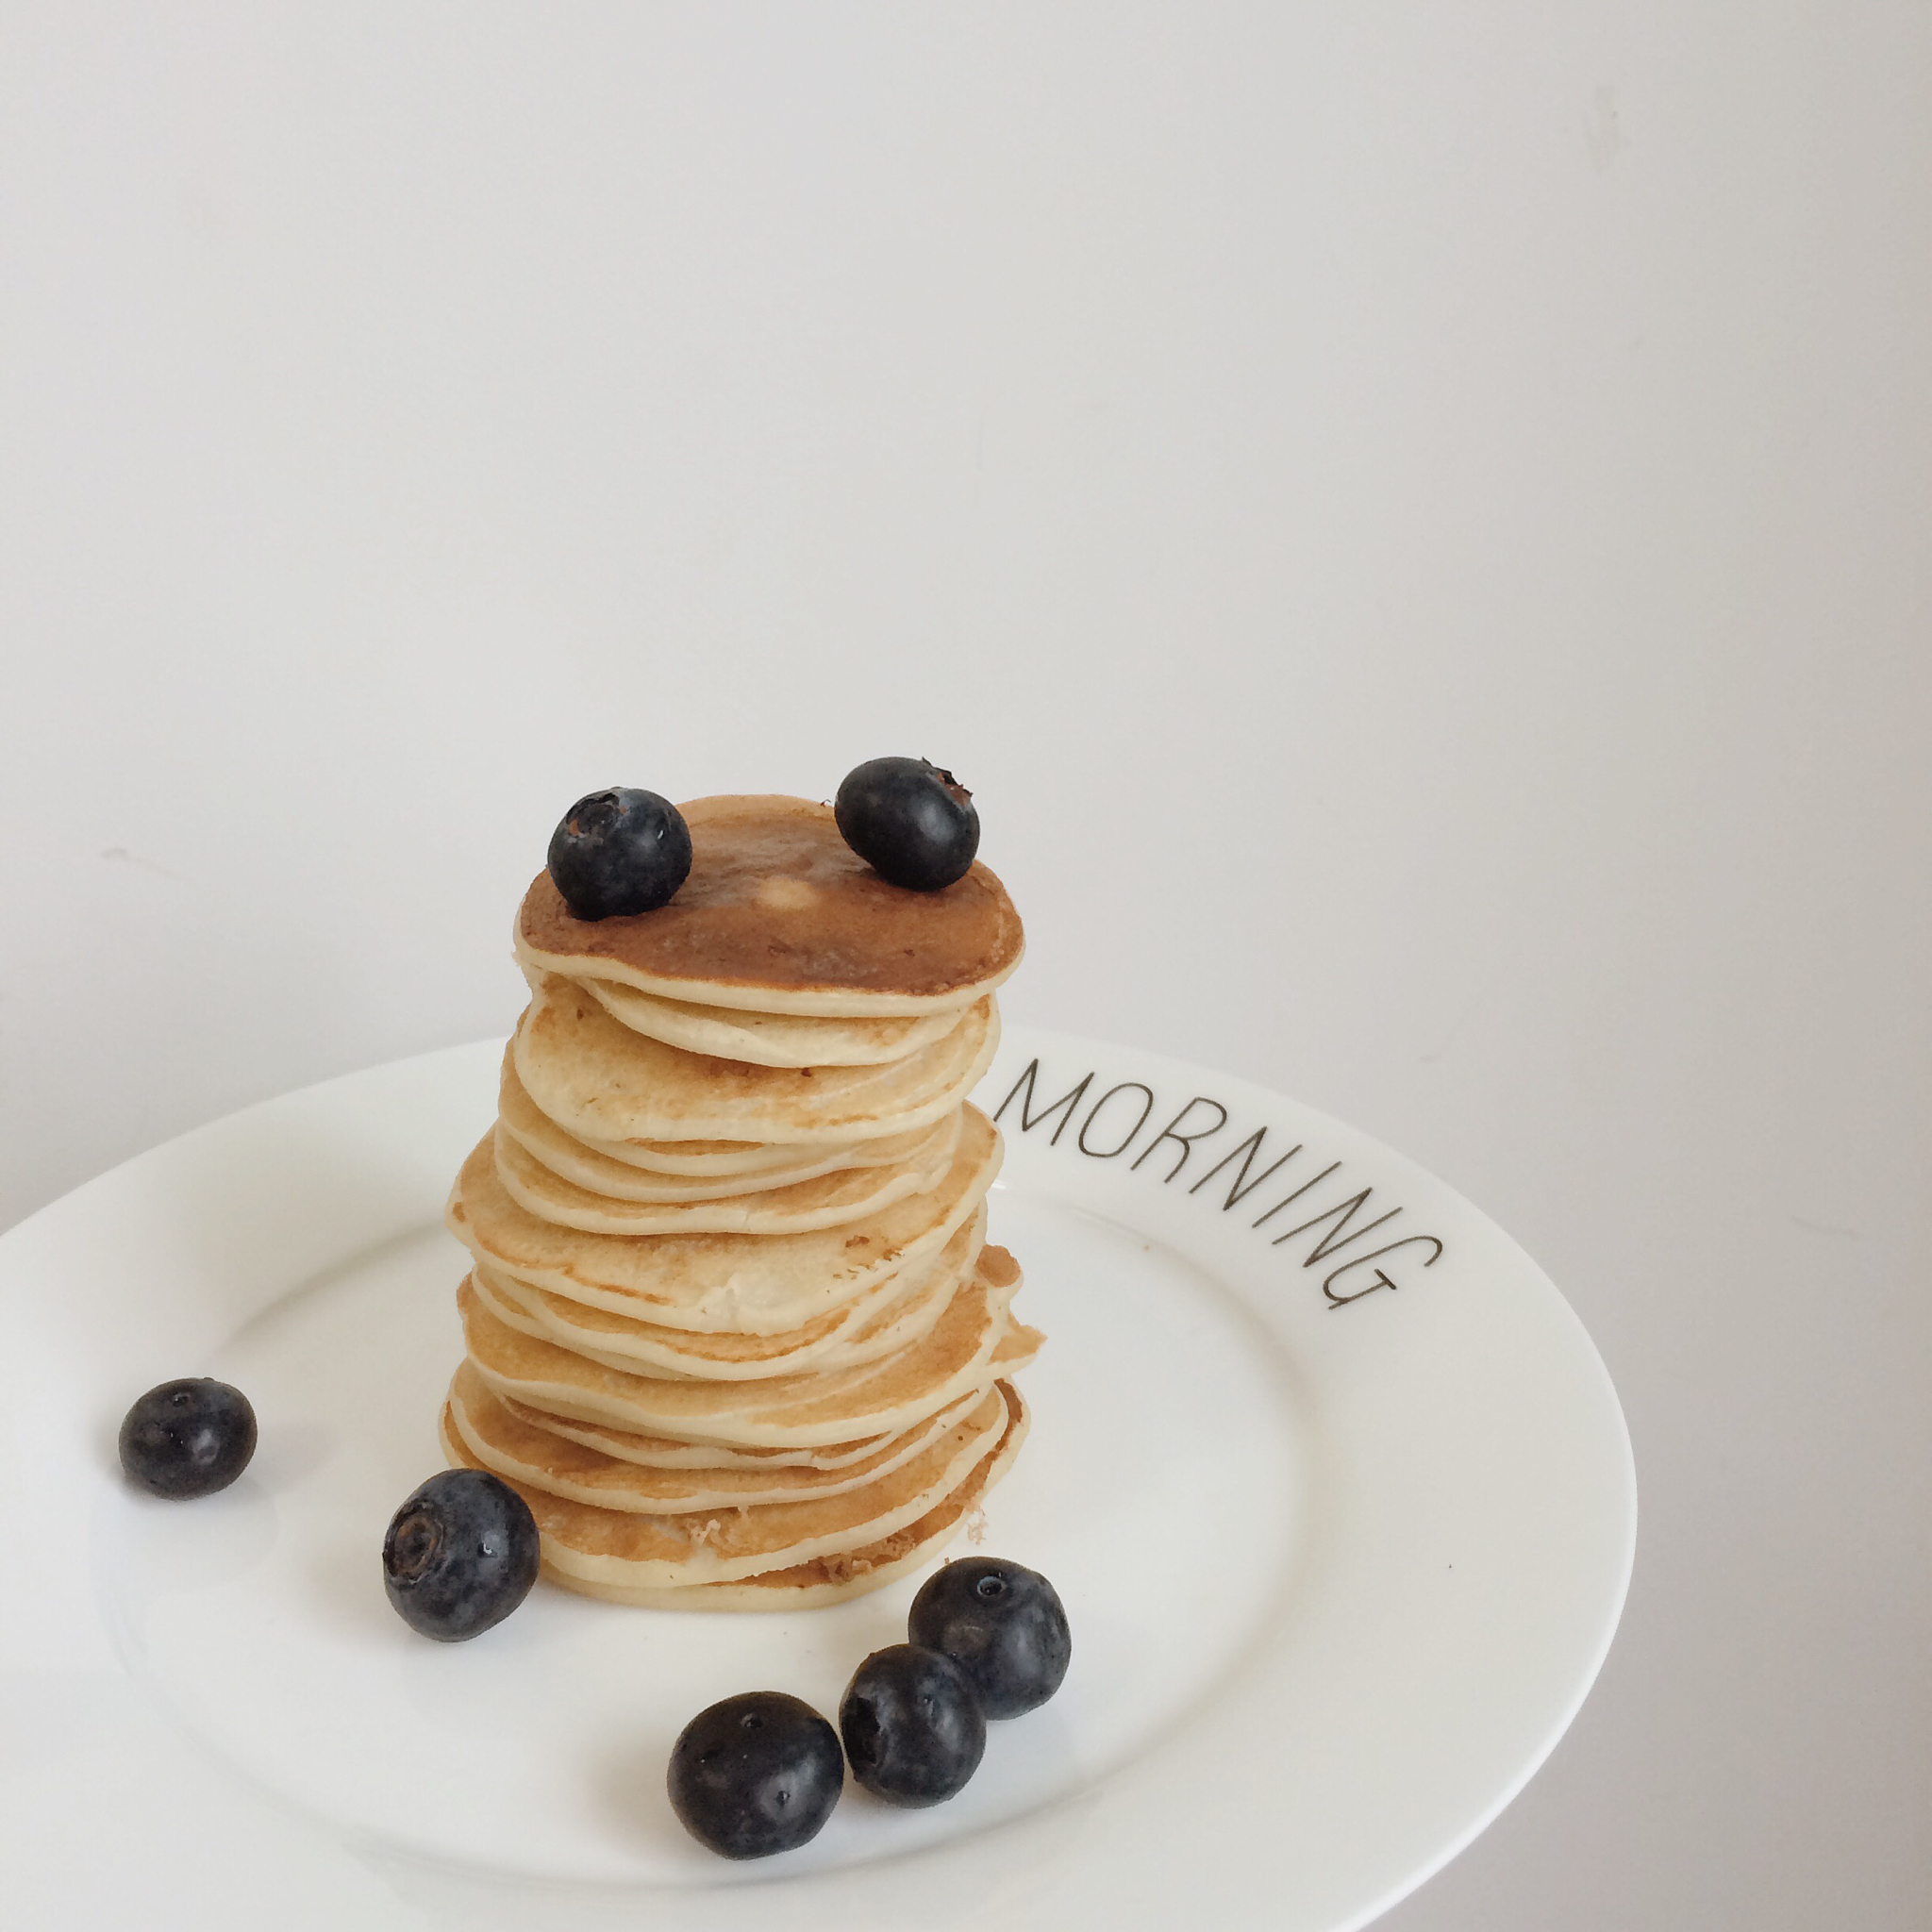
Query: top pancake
{"points": [[779, 915]]}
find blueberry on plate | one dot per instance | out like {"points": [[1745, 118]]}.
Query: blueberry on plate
{"points": [[188, 1439], [460, 1554], [757, 1773], [618, 851], [913, 824], [912, 1725], [1002, 1624]]}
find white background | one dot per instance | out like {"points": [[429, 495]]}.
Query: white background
{"points": [[1415, 521]]}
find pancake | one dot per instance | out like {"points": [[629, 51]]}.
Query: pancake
{"points": [[900, 1309], [779, 915], [889, 1321], [658, 1551], [831, 1199], [729, 1159], [834, 1579], [973, 1341], [732, 1325], [583, 1544], [769, 1040], [664, 1452], [600, 1081], [616, 1168], [752, 1284], [530, 1455]]}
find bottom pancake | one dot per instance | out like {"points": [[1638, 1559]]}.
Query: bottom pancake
{"points": [[826, 1578]]}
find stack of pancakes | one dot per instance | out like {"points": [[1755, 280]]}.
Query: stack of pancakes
{"points": [[733, 1330]]}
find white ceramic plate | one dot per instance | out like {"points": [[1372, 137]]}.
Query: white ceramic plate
{"points": [[1341, 1504]]}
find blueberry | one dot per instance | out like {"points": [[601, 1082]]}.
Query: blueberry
{"points": [[460, 1554], [913, 824], [1002, 1624], [618, 851], [912, 1725], [757, 1773], [188, 1439]]}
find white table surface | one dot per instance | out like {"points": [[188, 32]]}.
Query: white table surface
{"points": [[1413, 520]]}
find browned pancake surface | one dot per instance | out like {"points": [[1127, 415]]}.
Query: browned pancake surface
{"points": [[823, 1579], [777, 900]]}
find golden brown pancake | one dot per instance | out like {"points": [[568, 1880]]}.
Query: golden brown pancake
{"points": [[779, 915], [836, 1578], [767, 1039], [615, 1168], [665, 1452], [633, 1548], [748, 1283], [791, 1549], [522, 1451], [753, 1163], [973, 1341], [601, 1081], [901, 1309], [833, 1200]]}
